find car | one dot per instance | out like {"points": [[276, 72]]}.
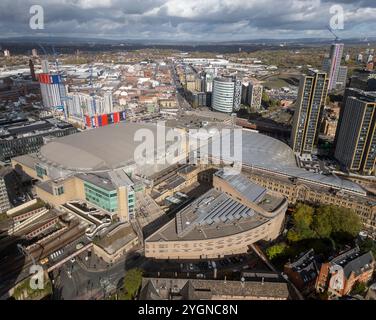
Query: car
{"points": [[200, 275]]}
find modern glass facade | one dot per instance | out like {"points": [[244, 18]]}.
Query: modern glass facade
{"points": [[131, 202], [107, 200], [356, 143], [311, 99], [226, 95]]}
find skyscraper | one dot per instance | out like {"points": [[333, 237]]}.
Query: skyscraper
{"points": [[312, 94], [226, 94], [52, 89], [356, 142], [332, 66], [254, 96]]}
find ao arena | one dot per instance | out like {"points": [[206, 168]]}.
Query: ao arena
{"points": [[98, 166]]}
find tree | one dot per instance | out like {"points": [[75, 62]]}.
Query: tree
{"points": [[341, 220], [322, 223], [276, 250], [132, 282], [368, 245], [302, 220], [358, 288], [326, 221]]}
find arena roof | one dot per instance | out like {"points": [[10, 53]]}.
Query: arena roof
{"points": [[101, 149], [111, 147], [269, 154]]}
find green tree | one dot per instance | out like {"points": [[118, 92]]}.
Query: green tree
{"points": [[322, 222], [302, 220], [132, 282], [276, 250], [359, 288], [368, 245], [342, 220]]}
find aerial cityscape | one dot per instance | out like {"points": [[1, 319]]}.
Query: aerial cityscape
{"points": [[184, 150]]}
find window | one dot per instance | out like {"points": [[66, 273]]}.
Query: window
{"points": [[59, 190]]}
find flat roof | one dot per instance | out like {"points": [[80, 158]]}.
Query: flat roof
{"points": [[104, 148], [212, 215]]}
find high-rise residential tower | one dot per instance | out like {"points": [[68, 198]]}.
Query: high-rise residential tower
{"points": [[254, 95], [356, 141], [332, 66], [312, 94], [52, 88], [226, 94]]}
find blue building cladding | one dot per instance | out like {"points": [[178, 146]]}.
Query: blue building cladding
{"points": [[55, 79]]}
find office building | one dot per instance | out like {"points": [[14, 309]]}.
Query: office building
{"points": [[6, 53], [332, 66], [254, 95], [356, 140], [34, 52], [226, 95], [27, 137], [310, 103]]}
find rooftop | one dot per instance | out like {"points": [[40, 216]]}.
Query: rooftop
{"points": [[101, 149], [212, 215], [192, 289], [276, 157], [354, 261], [117, 238]]}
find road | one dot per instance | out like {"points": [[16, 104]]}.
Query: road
{"points": [[74, 282]]}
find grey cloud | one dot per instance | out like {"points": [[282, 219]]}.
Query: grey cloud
{"points": [[163, 18]]}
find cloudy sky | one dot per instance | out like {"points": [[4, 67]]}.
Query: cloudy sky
{"points": [[188, 19]]}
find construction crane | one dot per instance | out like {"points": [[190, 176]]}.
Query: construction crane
{"points": [[56, 59], [44, 50], [92, 93], [334, 34]]}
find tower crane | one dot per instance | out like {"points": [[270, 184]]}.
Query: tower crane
{"points": [[334, 34], [92, 93]]}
